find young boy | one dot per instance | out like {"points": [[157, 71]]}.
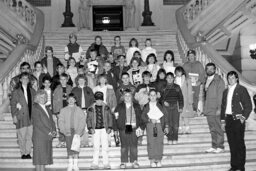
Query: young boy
{"points": [[22, 100], [99, 122], [172, 100], [111, 78], [85, 98], [117, 49], [123, 86], [60, 95]]}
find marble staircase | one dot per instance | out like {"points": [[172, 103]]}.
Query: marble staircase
{"points": [[187, 155]]}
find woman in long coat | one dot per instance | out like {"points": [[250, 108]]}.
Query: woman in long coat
{"points": [[43, 132]]}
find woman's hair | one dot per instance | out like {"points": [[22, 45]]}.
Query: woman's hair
{"points": [[81, 76], [102, 76], [136, 42], [161, 70], [72, 35], [135, 59], [149, 56], [169, 52], [180, 69], [70, 58], [40, 93]]}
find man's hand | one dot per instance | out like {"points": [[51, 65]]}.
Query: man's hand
{"points": [[108, 131], [218, 113], [18, 106], [166, 104]]}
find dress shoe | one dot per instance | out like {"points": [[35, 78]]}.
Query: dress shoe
{"points": [[23, 157], [28, 156]]}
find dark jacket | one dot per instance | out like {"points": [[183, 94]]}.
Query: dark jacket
{"points": [[213, 96], [145, 118], [120, 91], [91, 117], [241, 102], [56, 61], [102, 50], [42, 141], [121, 109], [117, 71], [88, 96], [56, 81]]}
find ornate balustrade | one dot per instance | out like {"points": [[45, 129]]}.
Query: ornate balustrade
{"points": [[24, 10], [194, 9]]}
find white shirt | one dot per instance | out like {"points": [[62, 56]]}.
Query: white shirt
{"points": [[25, 93], [154, 112], [49, 98], [208, 81], [229, 99], [44, 108], [168, 67], [146, 51]]}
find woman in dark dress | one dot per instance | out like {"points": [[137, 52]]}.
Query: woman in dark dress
{"points": [[43, 132]]}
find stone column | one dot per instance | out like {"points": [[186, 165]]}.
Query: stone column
{"points": [[147, 21], [68, 16]]}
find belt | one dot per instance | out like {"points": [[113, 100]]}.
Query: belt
{"points": [[229, 116]]}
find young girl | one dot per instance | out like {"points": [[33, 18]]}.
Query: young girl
{"points": [[168, 64], [135, 72], [152, 67], [155, 119], [147, 50], [137, 54], [186, 88], [172, 99], [133, 46], [117, 49], [73, 49], [160, 82], [72, 122], [72, 70]]}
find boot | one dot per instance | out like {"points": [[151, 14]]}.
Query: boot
{"points": [[70, 164]]}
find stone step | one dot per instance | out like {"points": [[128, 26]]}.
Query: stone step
{"points": [[143, 161], [179, 149]]}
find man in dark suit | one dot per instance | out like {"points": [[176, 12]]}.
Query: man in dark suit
{"points": [[235, 109]]}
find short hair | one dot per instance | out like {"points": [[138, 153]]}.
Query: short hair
{"points": [[135, 59], [149, 56], [24, 74], [24, 64], [170, 74], [102, 76], [231, 73], [148, 39], [126, 91], [81, 76], [138, 52], [136, 42], [119, 56], [60, 65], [37, 62], [125, 73], [71, 95], [64, 75], [93, 50], [146, 73], [107, 62], [180, 69], [210, 64], [169, 52], [117, 37], [152, 90], [161, 70], [191, 51], [47, 78], [69, 59], [40, 93], [80, 67], [48, 48], [72, 35], [96, 37]]}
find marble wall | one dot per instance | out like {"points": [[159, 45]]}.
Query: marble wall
{"points": [[163, 16]]}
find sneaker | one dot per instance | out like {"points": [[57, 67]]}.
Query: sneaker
{"points": [[210, 150], [175, 142], [135, 165], [159, 164], [94, 167], [61, 145], [122, 166], [170, 142], [153, 164], [219, 150]]}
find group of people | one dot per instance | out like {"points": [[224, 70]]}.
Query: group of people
{"points": [[122, 93]]}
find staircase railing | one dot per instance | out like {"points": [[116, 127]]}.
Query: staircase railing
{"points": [[206, 53], [30, 52]]}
